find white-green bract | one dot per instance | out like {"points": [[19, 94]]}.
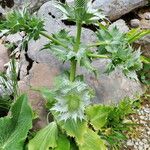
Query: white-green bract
{"points": [[71, 99]]}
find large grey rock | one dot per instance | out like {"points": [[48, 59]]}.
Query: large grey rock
{"points": [[41, 75], [114, 9], [33, 4], [109, 89]]}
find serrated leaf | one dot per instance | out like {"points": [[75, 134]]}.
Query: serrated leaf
{"points": [[92, 142], [75, 129], [46, 138], [121, 53], [97, 115], [63, 143], [21, 20], [14, 128]]}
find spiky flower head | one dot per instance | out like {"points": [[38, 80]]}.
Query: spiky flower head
{"points": [[80, 3], [72, 99]]}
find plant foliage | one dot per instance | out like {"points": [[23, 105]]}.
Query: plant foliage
{"points": [[14, 128], [45, 138], [77, 124]]}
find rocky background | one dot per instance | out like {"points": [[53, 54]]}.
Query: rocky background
{"points": [[39, 68]]}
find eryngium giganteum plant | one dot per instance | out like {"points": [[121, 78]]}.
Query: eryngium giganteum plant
{"points": [[71, 97]]}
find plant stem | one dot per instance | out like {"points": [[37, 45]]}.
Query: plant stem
{"points": [[76, 48], [98, 44], [53, 39], [98, 56]]}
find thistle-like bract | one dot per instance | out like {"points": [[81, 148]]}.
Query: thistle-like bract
{"points": [[72, 99]]}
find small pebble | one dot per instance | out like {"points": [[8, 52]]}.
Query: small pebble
{"points": [[147, 110], [144, 140], [135, 23], [130, 143], [142, 117], [147, 15]]}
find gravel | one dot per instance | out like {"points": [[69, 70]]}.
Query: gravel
{"points": [[140, 140]]}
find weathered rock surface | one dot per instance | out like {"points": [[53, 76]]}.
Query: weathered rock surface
{"points": [[3, 57], [121, 25], [108, 88], [15, 38], [41, 75], [116, 8], [144, 42], [135, 23], [34, 5], [112, 8]]}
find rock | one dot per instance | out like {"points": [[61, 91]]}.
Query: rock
{"points": [[53, 24], [23, 66], [147, 15], [121, 25], [130, 143], [33, 5], [14, 38], [3, 57], [2, 11], [144, 43], [40, 76], [109, 89], [114, 9], [135, 23]]}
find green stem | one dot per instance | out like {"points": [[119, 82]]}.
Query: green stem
{"points": [[53, 39], [98, 44], [98, 56], [76, 48]]}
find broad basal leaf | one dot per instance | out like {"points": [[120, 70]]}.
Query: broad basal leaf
{"points": [[14, 128], [98, 115], [63, 143], [45, 138], [75, 129], [92, 142]]}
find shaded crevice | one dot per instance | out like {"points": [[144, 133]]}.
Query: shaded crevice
{"points": [[30, 63], [51, 15]]}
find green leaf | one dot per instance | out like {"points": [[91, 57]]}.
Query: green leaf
{"points": [[63, 143], [46, 138], [98, 114], [21, 20], [121, 53], [14, 128], [145, 60], [136, 34], [92, 142], [75, 129]]}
